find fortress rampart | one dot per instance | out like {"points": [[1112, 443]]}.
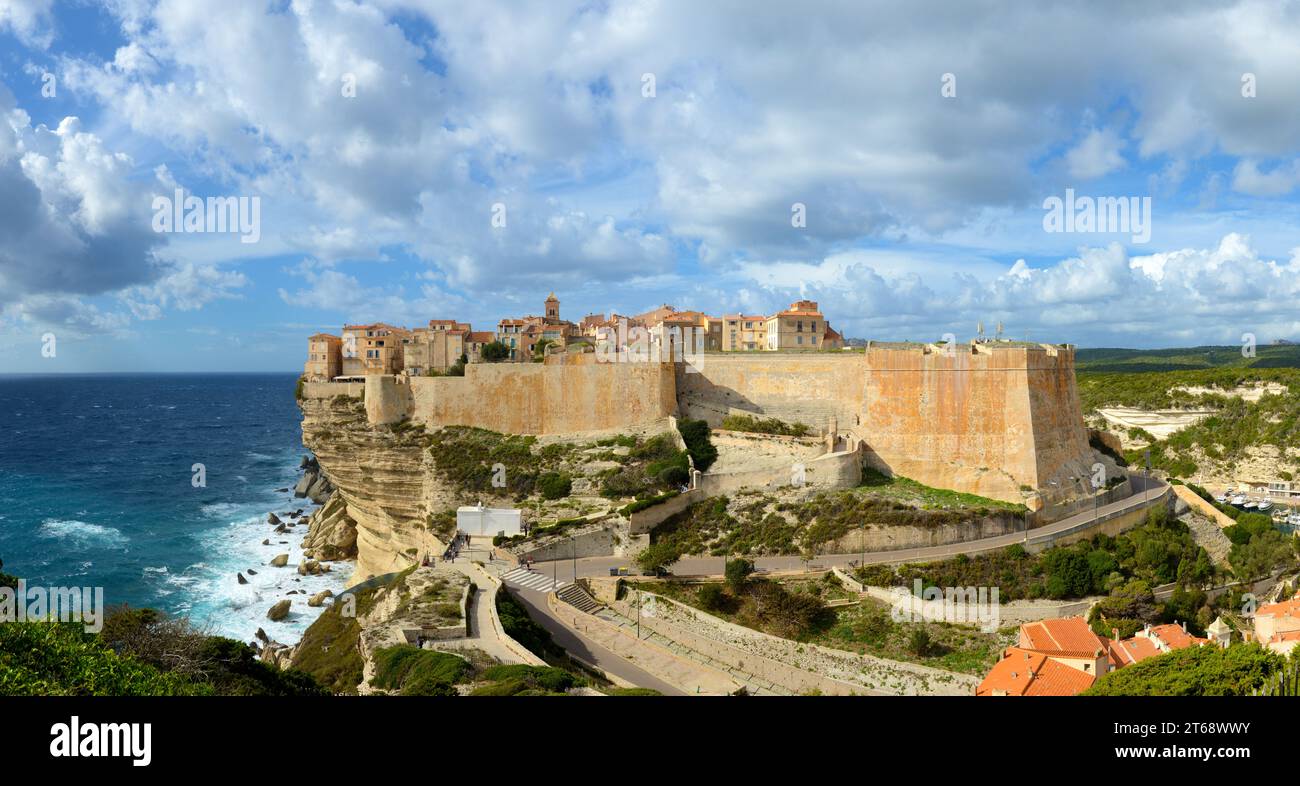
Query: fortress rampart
{"points": [[994, 420], [566, 394], [1000, 419]]}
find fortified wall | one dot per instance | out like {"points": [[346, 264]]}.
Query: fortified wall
{"points": [[566, 394], [1001, 419], [997, 420]]}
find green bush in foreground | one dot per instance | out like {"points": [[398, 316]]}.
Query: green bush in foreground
{"points": [[1196, 671], [61, 659], [412, 671]]}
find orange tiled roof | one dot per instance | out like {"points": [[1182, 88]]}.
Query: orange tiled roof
{"points": [[1025, 673], [1288, 608], [482, 336], [1175, 638], [1130, 651], [1067, 636]]}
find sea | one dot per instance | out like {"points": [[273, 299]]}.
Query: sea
{"points": [[156, 487]]}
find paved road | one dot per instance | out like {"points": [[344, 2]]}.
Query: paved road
{"points": [[587, 650], [563, 569], [531, 590]]}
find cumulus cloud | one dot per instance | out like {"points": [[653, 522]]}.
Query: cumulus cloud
{"points": [[29, 20], [1097, 154]]}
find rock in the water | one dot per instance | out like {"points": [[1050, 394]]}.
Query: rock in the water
{"points": [[280, 528], [261, 635], [304, 483], [308, 567], [252, 572], [280, 561], [271, 518], [319, 598], [282, 491], [241, 578], [266, 542], [320, 489], [279, 611]]}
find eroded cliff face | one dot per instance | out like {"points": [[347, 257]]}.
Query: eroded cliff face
{"points": [[386, 489]]}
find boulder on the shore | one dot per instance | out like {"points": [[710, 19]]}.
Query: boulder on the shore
{"points": [[261, 635], [280, 528], [279, 611], [318, 599], [308, 567], [280, 560]]}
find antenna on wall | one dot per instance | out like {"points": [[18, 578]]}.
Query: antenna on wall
{"points": [[979, 331], [999, 333]]}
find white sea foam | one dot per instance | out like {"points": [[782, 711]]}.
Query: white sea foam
{"points": [[212, 592], [82, 534]]}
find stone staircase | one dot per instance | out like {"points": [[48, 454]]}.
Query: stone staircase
{"points": [[579, 598]]}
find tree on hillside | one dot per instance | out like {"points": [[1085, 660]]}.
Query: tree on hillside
{"points": [[494, 352], [1194, 671], [656, 557]]}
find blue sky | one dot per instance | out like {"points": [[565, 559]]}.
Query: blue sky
{"points": [[378, 137]]}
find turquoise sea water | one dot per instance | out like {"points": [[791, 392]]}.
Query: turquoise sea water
{"points": [[96, 490]]}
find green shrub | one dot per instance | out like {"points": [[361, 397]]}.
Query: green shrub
{"points": [[412, 671], [764, 426], [695, 433], [554, 485]]}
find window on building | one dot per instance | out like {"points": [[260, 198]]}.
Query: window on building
{"points": [[798, 339]]}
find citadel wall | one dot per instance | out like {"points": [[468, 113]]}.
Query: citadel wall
{"points": [[999, 420]]}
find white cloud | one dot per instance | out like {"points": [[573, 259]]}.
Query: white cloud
{"points": [[1097, 154], [29, 20], [1280, 181]]}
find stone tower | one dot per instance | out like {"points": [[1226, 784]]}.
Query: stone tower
{"points": [[552, 308]]}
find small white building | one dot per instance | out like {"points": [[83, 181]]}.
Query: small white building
{"points": [[480, 521]]}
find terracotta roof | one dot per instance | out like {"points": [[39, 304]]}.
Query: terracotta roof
{"points": [[1130, 651], [1067, 636], [1174, 637], [1025, 673], [323, 336], [1289, 608], [483, 336]]}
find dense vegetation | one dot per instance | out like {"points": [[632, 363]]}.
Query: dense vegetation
{"points": [[1160, 379], [139, 652], [466, 456], [412, 671], [1238, 670], [1126, 569], [756, 524], [651, 467], [330, 648]]}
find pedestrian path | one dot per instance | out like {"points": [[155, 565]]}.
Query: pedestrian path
{"points": [[531, 580], [756, 686]]}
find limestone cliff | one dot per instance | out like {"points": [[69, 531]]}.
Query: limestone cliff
{"points": [[385, 489]]}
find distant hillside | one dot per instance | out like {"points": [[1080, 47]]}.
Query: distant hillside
{"points": [[1201, 378], [1185, 358]]}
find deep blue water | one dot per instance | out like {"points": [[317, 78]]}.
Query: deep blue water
{"points": [[96, 490]]}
